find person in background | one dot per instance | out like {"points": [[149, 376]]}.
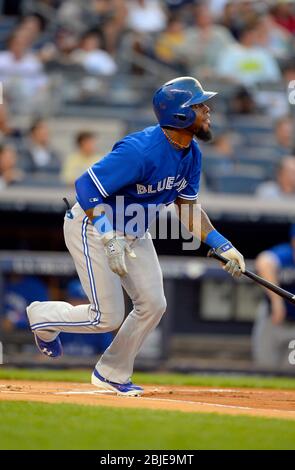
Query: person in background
{"points": [[242, 101], [84, 157], [19, 291], [284, 186], [274, 326], [34, 26], [82, 344], [273, 37], [92, 57], [168, 40], [145, 16], [231, 18], [59, 53], [284, 14], [37, 155], [21, 71], [109, 16], [10, 174], [7, 132], [284, 135], [203, 43], [246, 63], [288, 69]]}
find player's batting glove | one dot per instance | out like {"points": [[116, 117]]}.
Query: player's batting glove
{"points": [[116, 248], [236, 264]]}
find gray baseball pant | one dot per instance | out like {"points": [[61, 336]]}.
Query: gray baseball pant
{"points": [[143, 284]]}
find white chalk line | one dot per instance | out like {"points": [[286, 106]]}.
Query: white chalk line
{"points": [[171, 400], [86, 392]]}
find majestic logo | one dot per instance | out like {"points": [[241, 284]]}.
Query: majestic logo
{"points": [[166, 183]]}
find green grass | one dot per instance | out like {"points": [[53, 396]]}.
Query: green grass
{"points": [[46, 426], [217, 380]]}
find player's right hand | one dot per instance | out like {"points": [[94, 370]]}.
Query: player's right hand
{"points": [[116, 249], [236, 263]]}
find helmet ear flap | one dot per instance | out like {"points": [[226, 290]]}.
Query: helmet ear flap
{"points": [[189, 115], [181, 117]]}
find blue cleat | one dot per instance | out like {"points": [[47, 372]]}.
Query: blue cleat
{"points": [[128, 389], [49, 348]]}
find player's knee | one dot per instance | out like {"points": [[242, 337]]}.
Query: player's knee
{"points": [[114, 318], [157, 305]]}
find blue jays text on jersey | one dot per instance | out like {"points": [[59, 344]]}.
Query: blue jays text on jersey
{"points": [[145, 169]]}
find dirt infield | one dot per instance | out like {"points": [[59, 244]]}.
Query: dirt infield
{"points": [[234, 401]]}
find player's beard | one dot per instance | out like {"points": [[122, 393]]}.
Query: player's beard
{"points": [[204, 134]]}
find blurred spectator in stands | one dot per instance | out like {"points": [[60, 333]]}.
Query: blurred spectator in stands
{"points": [[237, 14], [220, 155], [203, 43], [59, 54], [19, 292], [110, 17], [7, 132], [34, 26], [284, 134], [222, 144], [92, 57], [21, 71], [146, 16], [46, 8], [9, 172], [231, 18], [246, 62], [171, 38], [284, 14], [274, 326], [288, 69], [217, 8], [74, 14], [37, 155], [85, 156], [284, 186], [273, 37], [242, 101], [82, 344]]}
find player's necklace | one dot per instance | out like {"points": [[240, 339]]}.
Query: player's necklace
{"points": [[175, 144]]}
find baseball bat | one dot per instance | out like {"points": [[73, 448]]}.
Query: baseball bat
{"points": [[263, 282]]}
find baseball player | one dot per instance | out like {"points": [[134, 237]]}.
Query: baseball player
{"points": [[159, 165]]}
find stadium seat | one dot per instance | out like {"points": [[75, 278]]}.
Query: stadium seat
{"points": [[245, 182], [252, 123]]}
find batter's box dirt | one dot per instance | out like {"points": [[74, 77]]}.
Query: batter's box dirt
{"points": [[262, 402]]}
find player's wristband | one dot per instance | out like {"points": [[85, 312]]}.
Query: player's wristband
{"points": [[215, 240], [102, 224]]}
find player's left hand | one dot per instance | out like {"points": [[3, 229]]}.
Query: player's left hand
{"points": [[116, 249], [236, 264]]}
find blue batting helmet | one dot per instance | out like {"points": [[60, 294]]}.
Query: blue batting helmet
{"points": [[172, 102]]}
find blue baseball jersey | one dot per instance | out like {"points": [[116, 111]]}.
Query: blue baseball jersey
{"points": [[285, 256], [144, 169]]}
